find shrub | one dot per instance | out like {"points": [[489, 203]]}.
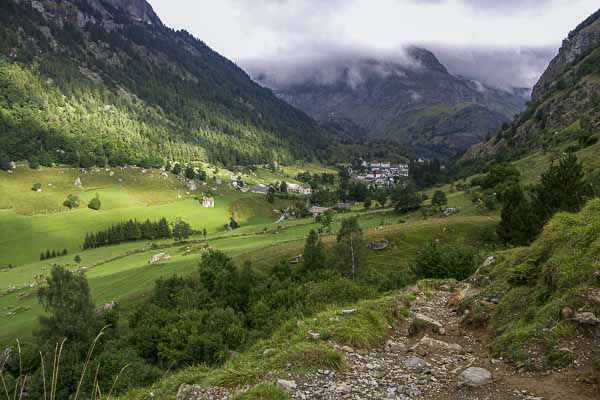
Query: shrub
{"points": [[436, 261], [71, 202], [36, 187], [95, 203]]}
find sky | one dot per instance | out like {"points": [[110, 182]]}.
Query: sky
{"points": [[516, 38]]}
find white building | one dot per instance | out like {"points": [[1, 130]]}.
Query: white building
{"points": [[299, 189]]}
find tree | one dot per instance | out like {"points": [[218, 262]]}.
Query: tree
{"points": [[95, 203], [381, 196], [190, 172], [283, 188], [406, 198], [368, 203], [326, 218], [439, 199], [233, 224], [204, 233], [72, 201], [271, 195], [349, 249], [563, 187], [520, 221], [77, 259], [314, 253], [176, 169], [182, 230], [68, 300]]}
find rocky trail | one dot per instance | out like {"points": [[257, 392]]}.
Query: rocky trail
{"points": [[430, 356]]}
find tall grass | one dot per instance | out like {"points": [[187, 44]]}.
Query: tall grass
{"points": [[20, 386]]}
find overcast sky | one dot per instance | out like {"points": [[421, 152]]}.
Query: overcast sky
{"points": [[275, 30]]}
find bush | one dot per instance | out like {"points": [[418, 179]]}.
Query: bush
{"points": [[95, 203], [36, 187], [436, 261], [71, 202]]}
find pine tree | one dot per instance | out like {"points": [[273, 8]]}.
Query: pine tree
{"points": [[314, 254], [406, 198], [519, 222], [42, 257], [562, 188]]}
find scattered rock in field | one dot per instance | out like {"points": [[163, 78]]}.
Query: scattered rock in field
{"points": [[489, 261], [427, 344], [194, 392], [344, 388], [415, 363], [159, 257], [288, 386], [314, 335], [348, 312], [347, 349], [268, 352], [567, 313], [586, 318], [77, 182], [422, 321], [475, 377], [394, 347]]}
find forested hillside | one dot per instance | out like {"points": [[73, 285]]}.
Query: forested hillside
{"points": [[94, 82]]}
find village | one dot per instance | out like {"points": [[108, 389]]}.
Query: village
{"points": [[378, 174]]}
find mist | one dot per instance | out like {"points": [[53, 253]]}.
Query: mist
{"points": [[498, 68]]}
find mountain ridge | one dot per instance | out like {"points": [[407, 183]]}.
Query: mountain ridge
{"points": [[409, 100]]}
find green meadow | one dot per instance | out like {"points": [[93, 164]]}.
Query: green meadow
{"points": [[34, 222]]}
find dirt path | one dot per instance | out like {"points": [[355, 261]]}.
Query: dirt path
{"points": [[429, 365], [429, 357]]}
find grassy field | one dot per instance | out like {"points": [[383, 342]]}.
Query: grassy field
{"points": [[122, 273]]}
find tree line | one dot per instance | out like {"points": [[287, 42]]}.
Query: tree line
{"points": [[128, 231]]}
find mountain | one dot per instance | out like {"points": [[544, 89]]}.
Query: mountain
{"points": [[414, 101], [565, 106], [105, 81]]}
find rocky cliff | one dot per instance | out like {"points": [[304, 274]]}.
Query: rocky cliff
{"points": [[565, 106]]}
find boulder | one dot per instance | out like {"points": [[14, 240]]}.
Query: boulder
{"points": [[288, 386], [427, 345], [489, 261], [348, 312], [421, 322], [344, 388], [586, 318], [475, 377], [189, 392], [415, 364], [567, 313]]}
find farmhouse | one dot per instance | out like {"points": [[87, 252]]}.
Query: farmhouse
{"points": [[208, 202], [316, 210], [299, 189], [259, 189]]}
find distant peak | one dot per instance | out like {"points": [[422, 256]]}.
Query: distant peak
{"points": [[426, 58], [139, 10]]}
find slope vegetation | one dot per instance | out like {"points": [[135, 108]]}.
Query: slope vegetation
{"points": [[93, 82]]}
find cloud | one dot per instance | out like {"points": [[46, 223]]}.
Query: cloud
{"points": [[527, 32]]}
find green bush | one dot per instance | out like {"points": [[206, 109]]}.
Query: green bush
{"points": [[95, 203], [436, 261]]}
